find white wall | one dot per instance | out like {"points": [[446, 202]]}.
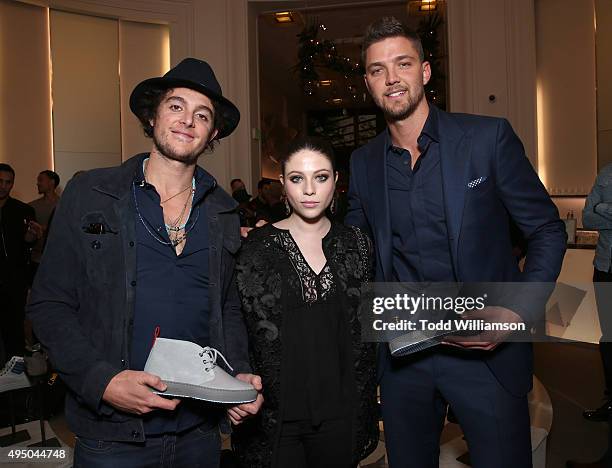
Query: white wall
{"points": [[222, 40], [144, 52], [212, 30], [603, 10], [492, 53], [85, 89], [566, 95], [25, 105], [96, 64], [538, 58]]}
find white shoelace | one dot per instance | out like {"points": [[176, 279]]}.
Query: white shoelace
{"points": [[210, 358]]}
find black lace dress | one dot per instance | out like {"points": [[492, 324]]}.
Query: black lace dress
{"points": [[305, 339]]}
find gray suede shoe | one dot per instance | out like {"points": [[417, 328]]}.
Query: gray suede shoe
{"points": [[191, 371]]}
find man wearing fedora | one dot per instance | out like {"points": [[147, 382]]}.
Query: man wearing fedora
{"points": [[138, 251]]}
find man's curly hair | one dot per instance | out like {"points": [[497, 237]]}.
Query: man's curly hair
{"points": [[146, 110]]}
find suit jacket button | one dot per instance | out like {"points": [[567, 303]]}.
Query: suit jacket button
{"points": [[133, 283], [96, 245], [135, 434]]}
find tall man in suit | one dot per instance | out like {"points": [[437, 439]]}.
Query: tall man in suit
{"points": [[437, 192]]}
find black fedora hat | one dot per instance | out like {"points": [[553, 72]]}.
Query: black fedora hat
{"points": [[193, 74]]}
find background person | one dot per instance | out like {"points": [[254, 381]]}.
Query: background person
{"points": [[47, 183], [240, 194], [17, 233], [597, 214]]}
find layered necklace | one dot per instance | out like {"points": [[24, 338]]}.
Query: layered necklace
{"points": [[175, 229]]}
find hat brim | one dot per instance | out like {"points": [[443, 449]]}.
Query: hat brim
{"points": [[228, 114]]}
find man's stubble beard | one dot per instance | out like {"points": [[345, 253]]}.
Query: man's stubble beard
{"points": [[166, 150], [395, 115]]}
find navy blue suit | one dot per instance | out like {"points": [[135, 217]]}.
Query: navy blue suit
{"points": [[477, 219]]}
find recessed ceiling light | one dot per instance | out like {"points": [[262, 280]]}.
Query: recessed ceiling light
{"points": [[283, 17], [427, 5]]}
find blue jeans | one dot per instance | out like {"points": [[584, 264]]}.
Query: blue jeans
{"points": [[198, 447]]}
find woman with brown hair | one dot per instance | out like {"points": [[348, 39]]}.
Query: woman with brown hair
{"points": [[300, 281]]}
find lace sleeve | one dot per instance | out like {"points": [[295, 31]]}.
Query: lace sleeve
{"points": [[365, 364], [259, 285], [250, 275], [366, 252]]}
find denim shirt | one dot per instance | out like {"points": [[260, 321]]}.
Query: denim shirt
{"points": [[597, 214]]}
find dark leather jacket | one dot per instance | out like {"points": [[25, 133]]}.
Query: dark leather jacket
{"points": [[82, 302]]}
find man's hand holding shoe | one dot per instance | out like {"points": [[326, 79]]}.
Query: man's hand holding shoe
{"points": [[130, 391]]}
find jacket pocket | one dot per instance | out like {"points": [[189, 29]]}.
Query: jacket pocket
{"points": [[482, 189], [232, 243], [94, 446]]}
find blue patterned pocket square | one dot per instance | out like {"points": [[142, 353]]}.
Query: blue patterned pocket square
{"points": [[476, 182]]}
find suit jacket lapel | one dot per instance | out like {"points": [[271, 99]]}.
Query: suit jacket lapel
{"points": [[378, 194], [455, 154]]}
